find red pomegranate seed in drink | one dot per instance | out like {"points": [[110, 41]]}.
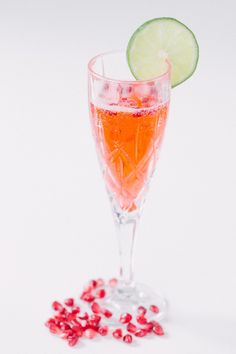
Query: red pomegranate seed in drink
{"points": [[117, 333], [154, 308], [86, 296], [125, 318], [131, 328], [128, 338], [54, 329], [106, 313], [100, 282], [101, 293], [69, 302], [73, 341], [148, 326], [158, 330], [113, 282], [141, 319], [95, 318], [95, 307], [142, 310], [57, 306], [103, 330], [90, 333], [140, 333]]}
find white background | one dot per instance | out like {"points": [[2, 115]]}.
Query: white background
{"points": [[56, 229]]}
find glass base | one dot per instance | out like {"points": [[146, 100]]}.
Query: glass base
{"points": [[127, 299]]}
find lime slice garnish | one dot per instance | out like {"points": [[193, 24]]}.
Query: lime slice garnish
{"points": [[160, 39]]}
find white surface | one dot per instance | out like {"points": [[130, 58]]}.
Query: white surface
{"points": [[56, 229]]}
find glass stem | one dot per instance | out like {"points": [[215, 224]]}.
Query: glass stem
{"points": [[126, 230]]}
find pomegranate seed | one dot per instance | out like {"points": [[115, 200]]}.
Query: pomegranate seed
{"points": [[90, 333], [95, 307], [154, 308], [100, 282], [88, 288], [57, 306], [63, 311], [101, 293], [49, 322], [148, 326], [141, 319], [76, 310], [103, 330], [54, 329], [69, 302], [65, 327], [84, 324], [142, 310], [87, 297], [140, 333], [125, 318], [131, 328], [158, 330], [95, 318], [128, 338], [73, 341], [77, 330], [117, 333], [84, 317], [113, 282], [67, 334], [71, 316], [107, 313], [93, 284]]}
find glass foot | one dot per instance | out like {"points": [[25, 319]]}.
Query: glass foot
{"points": [[126, 299]]}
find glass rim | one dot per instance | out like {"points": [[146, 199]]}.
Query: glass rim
{"points": [[94, 73]]}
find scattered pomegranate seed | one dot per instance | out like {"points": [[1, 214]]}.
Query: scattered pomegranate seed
{"points": [[106, 313], [100, 282], [131, 328], [57, 306], [86, 296], [65, 327], [71, 325], [140, 333], [103, 330], [69, 302], [49, 322], [93, 284], [117, 333], [154, 308], [90, 333], [128, 338], [113, 282], [78, 330], [71, 316], [73, 341], [158, 330], [84, 317], [54, 329], [101, 293], [148, 326], [142, 310], [76, 310], [141, 319], [95, 307], [125, 318]]}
